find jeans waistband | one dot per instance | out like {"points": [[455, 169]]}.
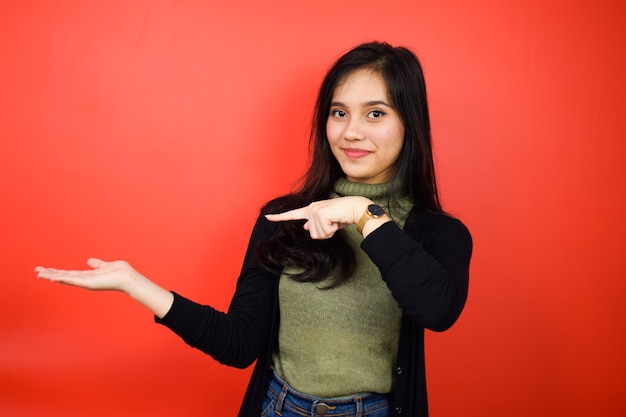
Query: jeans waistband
{"points": [[288, 402]]}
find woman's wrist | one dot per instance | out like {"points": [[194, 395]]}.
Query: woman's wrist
{"points": [[157, 299], [373, 224], [370, 217]]}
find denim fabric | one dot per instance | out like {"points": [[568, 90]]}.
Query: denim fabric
{"points": [[283, 401]]}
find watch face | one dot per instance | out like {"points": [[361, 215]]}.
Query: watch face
{"points": [[375, 210]]}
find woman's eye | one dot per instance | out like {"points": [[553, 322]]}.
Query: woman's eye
{"points": [[375, 114], [338, 113]]}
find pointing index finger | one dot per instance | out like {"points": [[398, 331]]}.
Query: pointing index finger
{"points": [[297, 214]]}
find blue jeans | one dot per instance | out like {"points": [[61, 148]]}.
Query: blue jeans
{"points": [[283, 401]]}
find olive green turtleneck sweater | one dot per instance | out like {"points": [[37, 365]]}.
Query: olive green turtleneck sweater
{"points": [[341, 341]]}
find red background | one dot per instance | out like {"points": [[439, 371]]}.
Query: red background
{"points": [[152, 130]]}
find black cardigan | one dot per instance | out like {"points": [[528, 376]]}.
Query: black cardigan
{"points": [[425, 265]]}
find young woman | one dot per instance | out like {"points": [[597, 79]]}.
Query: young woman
{"points": [[341, 277]]}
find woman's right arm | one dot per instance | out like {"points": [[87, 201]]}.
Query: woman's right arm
{"points": [[235, 338]]}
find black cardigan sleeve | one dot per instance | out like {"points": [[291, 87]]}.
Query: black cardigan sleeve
{"points": [[426, 266], [238, 337]]}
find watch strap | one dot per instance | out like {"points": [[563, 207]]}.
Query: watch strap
{"points": [[373, 211]]}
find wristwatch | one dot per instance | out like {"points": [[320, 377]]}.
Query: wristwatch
{"points": [[373, 211]]}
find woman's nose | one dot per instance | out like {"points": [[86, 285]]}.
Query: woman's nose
{"points": [[354, 130]]}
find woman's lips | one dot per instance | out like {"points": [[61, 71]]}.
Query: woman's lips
{"points": [[355, 153]]}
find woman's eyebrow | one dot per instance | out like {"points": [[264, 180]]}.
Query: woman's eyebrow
{"points": [[376, 103], [366, 104]]}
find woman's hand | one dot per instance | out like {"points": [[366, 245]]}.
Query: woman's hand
{"points": [[324, 218], [117, 275]]}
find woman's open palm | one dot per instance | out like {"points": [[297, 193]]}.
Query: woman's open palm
{"points": [[115, 275]]}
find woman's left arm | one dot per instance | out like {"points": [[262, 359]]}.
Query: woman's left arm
{"points": [[427, 271]]}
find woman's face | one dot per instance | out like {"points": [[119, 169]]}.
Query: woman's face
{"points": [[364, 132]]}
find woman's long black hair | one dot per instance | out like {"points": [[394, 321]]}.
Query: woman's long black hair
{"points": [[414, 175]]}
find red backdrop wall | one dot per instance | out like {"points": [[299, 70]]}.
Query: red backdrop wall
{"points": [[151, 130]]}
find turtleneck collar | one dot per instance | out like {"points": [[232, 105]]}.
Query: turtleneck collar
{"points": [[375, 192]]}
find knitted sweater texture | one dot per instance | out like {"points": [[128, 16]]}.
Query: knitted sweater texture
{"points": [[341, 341]]}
